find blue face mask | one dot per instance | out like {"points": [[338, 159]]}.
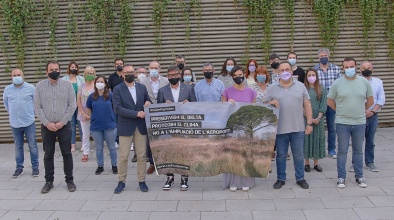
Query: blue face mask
{"points": [[229, 68], [292, 61], [324, 60], [261, 78], [17, 80], [350, 72], [154, 73], [187, 78]]}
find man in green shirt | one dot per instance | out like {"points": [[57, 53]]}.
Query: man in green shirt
{"points": [[347, 97]]}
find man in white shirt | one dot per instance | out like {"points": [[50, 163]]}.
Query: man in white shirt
{"points": [[155, 81]]}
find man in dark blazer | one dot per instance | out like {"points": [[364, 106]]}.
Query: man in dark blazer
{"points": [[176, 91], [129, 99]]}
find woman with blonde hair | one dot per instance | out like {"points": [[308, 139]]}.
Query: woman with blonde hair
{"points": [[84, 90]]}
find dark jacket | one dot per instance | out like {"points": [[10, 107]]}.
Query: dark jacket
{"points": [[127, 111]]}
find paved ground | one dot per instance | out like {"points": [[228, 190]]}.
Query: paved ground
{"points": [[94, 199]]}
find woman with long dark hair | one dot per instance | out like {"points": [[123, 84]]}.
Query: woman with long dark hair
{"points": [[102, 125], [224, 76], [314, 143], [76, 80]]}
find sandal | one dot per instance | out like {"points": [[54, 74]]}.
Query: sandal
{"points": [[85, 158]]}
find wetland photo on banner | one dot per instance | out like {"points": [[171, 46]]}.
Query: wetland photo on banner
{"points": [[207, 138]]}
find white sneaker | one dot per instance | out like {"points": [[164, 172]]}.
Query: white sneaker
{"points": [[361, 182], [245, 188], [233, 189], [341, 183]]}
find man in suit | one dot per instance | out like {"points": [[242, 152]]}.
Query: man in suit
{"points": [[176, 91], [129, 99], [155, 81]]}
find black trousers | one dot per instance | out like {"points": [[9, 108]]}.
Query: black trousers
{"points": [[49, 140]]}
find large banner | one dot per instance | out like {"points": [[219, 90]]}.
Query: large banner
{"points": [[206, 139]]}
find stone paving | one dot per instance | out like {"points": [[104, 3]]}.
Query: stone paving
{"points": [[21, 198]]}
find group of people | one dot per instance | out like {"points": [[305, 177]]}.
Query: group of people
{"points": [[112, 110]]}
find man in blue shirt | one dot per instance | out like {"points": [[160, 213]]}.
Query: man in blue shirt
{"points": [[328, 73], [379, 98], [18, 100], [209, 89]]}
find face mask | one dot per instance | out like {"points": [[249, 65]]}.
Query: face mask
{"points": [[129, 78], [174, 81], [252, 69], [141, 76], [181, 65], [312, 79], [89, 78], [285, 75], [261, 78], [54, 75], [366, 72], [238, 80], [154, 73], [100, 86], [74, 71], [229, 68], [324, 60], [187, 78], [119, 68], [350, 72], [275, 65], [208, 75], [17, 80], [292, 61]]}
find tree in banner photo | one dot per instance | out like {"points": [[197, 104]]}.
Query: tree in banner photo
{"points": [[206, 139]]}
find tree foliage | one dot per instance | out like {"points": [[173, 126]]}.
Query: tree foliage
{"points": [[251, 118]]}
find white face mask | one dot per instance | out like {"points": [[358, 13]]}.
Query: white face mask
{"points": [[100, 85], [141, 76]]}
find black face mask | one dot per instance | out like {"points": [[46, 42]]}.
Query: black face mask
{"points": [[74, 71], [208, 75], [275, 65], [366, 73], [54, 75], [238, 80], [129, 78], [119, 68], [174, 81], [181, 65]]}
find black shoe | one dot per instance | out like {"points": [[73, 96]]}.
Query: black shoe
{"points": [[303, 184], [114, 169], [318, 168], [71, 186], [307, 168], [279, 184], [99, 170], [120, 187], [18, 173], [47, 187], [184, 185], [169, 183]]}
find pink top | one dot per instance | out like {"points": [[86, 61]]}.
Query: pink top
{"points": [[245, 95]]}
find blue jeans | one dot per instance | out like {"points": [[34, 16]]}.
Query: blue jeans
{"points": [[330, 119], [109, 136], [296, 140], [74, 123], [370, 130], [30, 133], [345, 132]]}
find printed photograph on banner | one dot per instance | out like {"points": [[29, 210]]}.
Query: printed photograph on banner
{"points": [[206, 139]]}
